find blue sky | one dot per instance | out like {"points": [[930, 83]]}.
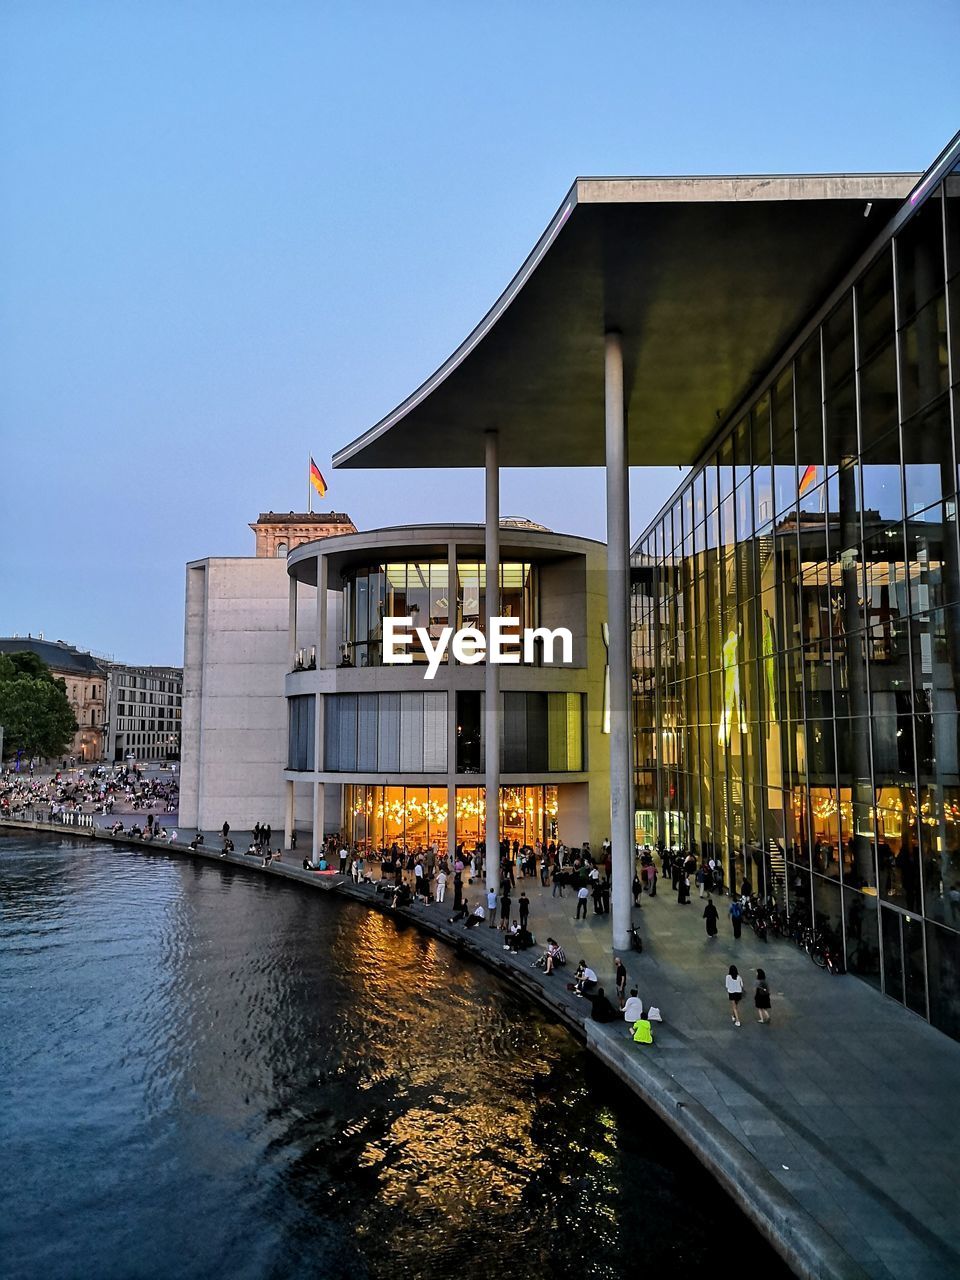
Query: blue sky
{"points": [[235, 233]]}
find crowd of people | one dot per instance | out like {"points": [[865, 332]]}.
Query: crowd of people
{"points": [[95, 789]]}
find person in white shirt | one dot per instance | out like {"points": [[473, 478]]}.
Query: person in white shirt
{"points": [[441, 885], [476, 917], [734, 984], [343, 855], [633, 1007], [586, 979]]}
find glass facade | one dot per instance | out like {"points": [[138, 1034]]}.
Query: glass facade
{"points": [[796, 642], [375, 817], [421, 590]]}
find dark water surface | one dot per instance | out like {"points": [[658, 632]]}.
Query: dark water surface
{"points": [[206, 1073]]}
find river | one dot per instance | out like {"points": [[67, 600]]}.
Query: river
{"points": [[207, 1072]]}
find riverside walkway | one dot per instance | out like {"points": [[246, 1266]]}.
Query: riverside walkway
{"points": [[830, 1127]]}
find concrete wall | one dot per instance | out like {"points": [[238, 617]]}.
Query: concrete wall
{"points": [[236, 654]]}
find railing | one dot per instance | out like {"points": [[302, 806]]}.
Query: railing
{"points": [[70, 818]]}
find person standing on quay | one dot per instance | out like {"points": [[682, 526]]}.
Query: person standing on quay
{"points": [[620, 974], [761, 998], [683, 890], [710, 915], [441, 885], [492, 907], [582, 894], [505, 906], [523, 909], [734, 984], [637, 889]]}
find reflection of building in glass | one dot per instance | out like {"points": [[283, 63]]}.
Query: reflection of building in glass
{"points": [[796, 612], [387, 756]]}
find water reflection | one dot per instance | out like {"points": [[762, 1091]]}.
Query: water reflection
{"points": [[209, 1072]]}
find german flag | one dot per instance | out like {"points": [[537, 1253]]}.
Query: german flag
{"points": [[807, 480], [316, 478]]}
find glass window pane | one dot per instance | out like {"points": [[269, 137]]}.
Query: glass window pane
{"points": [[919, 254]]}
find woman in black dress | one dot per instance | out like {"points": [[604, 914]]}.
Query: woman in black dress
{"points": [[710, 915], [761, 997]]}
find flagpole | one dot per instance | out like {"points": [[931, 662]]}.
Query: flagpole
{"points": [[309, 485]]}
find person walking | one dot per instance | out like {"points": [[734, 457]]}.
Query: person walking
{"points": [[710, 914], [556, 875], [225, 830], [492, 907], [582, 894], [620, 974], [637, 889], [683, 890], [736, 916], [761, 998], [734, 984]]}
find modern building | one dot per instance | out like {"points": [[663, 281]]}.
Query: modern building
{"points": [[235, 657], [143, 713], [795, 606], [797, 622], [385, 755], [85, 678]]}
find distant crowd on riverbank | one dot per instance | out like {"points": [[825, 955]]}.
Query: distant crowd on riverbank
{"points": [[97, 789]]}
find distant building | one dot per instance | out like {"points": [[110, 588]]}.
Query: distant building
{"points": [[123, 712], [278, 533], [143, 713], [86, 680], [236, 656]]}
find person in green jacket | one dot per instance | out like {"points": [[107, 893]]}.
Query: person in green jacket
{"points": [[642, 1032]]}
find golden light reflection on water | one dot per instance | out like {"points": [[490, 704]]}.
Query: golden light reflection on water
{"points": [[467, 1136]]}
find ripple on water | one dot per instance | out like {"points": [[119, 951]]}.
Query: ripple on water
{"points": [[209, 1072]]}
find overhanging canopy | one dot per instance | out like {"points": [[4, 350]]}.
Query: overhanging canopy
{"points": [[706, 278]]}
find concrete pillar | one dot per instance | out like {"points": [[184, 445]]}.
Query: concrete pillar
{"points": [[322, 620], [491, 677], [292, 625], [318, 797], [453, 592], [618, 610], [289, 817]]}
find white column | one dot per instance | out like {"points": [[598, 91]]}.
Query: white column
{"points": [[322, 620], [618, 611], [491, 675], [292, 625], [289, 816], [453, 591], [318, 797]]}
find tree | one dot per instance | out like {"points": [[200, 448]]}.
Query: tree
{"points": [[34, 710]]}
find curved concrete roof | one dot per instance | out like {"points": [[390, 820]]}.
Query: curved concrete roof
{"points": [[707, 278]]}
